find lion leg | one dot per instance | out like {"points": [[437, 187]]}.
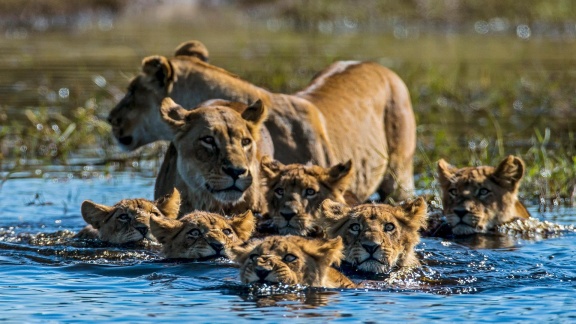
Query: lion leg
{"points": [[166, 179]]}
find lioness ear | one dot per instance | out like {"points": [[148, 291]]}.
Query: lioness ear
{"points": [[169, 205], [158, 70], [340, 175], [509, 173], [173, 114], [256, 113], [326, 251], [163, 228], [270, 167], [243, 224], [416, 213], [192, 48], [445, 172], [95, 214]]}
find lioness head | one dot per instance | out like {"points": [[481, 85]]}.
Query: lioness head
{"points": [[476, 199], [377, 237], [201, 234], [217, 154], [295, 192], [288, 260], [129, 219]]}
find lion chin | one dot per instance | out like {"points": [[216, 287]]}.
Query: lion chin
{"points": [[374, 266], [463, 229], [289, 230]]}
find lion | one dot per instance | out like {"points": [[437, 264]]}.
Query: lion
{"points": [[295, 191], [128, 221], [201, 235], [378, 238], [217, 167], [359, 111], [477, 199], [292, 260]]}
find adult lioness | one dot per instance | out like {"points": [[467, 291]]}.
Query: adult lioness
{"points": [[295, 191], [359, 111], [217, 168], [477, 199], [378, 238], [292, 260]]}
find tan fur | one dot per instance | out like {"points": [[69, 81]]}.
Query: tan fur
{"points": [[295, 191], [128, 220], [476, 199], [201, 235], [377, 238], [217, 168], [292, 260], [350, 111]]}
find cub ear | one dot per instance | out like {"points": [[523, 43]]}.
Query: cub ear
{"points": [[243, 225], [326, 251], [192, 48], [332, 211], [340, 175], [445, 172], [256, 113], [95, 214], [173, 114], [164, 228], [239, 253], [158, 70], [509, 172], [270, 167], [415, 214], [169, 205]]}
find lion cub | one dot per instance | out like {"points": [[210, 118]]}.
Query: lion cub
{"points": [[377, 238], [128, 220], [292, 260], [477, 199], [295, 191], [202, 235]]}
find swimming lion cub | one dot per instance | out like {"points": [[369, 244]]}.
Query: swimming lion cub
{"points": [[128, 220], [292, 260], [477, 199]]}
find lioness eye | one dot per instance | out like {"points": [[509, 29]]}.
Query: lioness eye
{"points": [[124, 217], [453, 191], [246, 141], [310, 192], [389, 227], [355, 227], [290, 258], [208, 140], [254, 256], [227, 231], [279, 192], [194, 233], [483, 191]]}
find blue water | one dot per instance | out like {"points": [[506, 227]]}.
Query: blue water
{"points": [[46, 276]]}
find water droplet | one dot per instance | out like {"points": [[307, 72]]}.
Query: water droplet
{"points": [[523, 31], [100, 81], [482, 27], [64, 93]]}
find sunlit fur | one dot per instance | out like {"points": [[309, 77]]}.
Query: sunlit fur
{"points": [[295, 191], [217, 163], [201, 234], [359, 111], [476, 199], [128, 220], [377, 238], [292, 260]]}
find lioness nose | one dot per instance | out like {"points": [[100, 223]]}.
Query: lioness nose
{"points": [[460, 212], [288, 215], [262, 273], [234, 172], [370, 248], [142, 229]]}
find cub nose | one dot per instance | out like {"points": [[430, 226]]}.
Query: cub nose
{"points": [[234, 172], [142, 229], [288, 215], [262, 273], [370, 248], [460, 212], [217, 246]]}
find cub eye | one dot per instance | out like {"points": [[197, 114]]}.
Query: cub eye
{"points": [[279, 192], [246, 141], [483, 192], [124, 217], [254, 256], [389, 227], [227, 231], [355, 227], [310, 192], [453, 191], [208, 140], [194, 233], [290, 258]]}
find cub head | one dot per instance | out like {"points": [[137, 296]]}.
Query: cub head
{"points": [[377, 237], [476, 199], [288, 260], [295, 192], [201, 235], [217, 152], [129, 219]]}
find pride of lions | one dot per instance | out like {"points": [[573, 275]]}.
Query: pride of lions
{"points": [[279, 183]]}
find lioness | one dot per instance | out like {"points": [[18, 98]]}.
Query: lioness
{"points": [[128, 220], [217, 169], [359, 111], [201, 235], [378, 238], [477, 199], [295, 191], [292, 260]]}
